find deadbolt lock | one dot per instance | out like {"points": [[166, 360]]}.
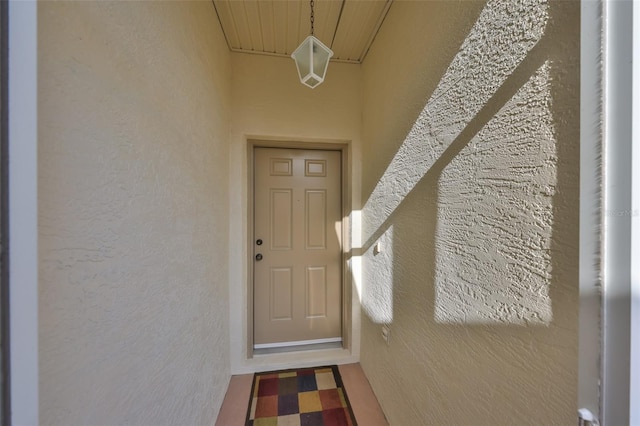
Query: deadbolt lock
{"points": [[259, 242]]}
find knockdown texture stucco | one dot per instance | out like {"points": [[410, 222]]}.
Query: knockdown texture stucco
{"points": [[470, 182], [133, 213]]}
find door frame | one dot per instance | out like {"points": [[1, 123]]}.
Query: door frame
{"points": [[345, 180], [22, 192]]}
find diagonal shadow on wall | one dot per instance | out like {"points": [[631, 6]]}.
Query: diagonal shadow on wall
{"points": [[507, 361]]}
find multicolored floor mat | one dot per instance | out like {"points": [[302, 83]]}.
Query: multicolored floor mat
{"points": [[302, 397]]}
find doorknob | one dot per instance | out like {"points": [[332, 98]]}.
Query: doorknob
{"points": [[259, 256]]}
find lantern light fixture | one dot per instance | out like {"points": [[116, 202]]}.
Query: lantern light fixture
{"points": [[312, 58]]}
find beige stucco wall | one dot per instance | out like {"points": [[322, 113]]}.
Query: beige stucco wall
{"points": [[133, 213], [470, 181], [269, 102]]}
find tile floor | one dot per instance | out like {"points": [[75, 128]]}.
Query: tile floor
{"points": [[363, 401]]}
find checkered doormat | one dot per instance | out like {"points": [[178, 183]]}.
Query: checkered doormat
{"points": [[303, 397]]}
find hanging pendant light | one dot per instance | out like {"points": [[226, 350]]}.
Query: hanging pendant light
{"points": [[312, 59]]}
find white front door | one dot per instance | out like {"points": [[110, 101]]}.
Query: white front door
{"points": [[297, 246]]}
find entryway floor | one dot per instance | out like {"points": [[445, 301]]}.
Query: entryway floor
{"points": [[364, 403]]}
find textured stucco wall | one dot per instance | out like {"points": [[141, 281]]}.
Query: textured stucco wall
{"points": [[134, 104], [470, 180], [269, 102]]}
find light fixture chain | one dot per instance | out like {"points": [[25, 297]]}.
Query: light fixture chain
{"points": [[312, 17]]}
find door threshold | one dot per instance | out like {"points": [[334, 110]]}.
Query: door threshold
{"points": [[297, 347]]}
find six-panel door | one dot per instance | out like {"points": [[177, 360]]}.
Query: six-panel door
{"points": [[297, 246]]}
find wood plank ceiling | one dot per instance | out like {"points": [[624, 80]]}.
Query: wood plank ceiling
{"points": [[277, 27]]}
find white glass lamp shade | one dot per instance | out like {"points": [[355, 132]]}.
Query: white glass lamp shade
{"points": [[312, 58]]}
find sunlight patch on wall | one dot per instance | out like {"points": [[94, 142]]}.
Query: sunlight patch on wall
{"points": [[377, 289], [500, 39], [356, 245], [495, 217]]}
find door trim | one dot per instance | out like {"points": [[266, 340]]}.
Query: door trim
{"points": [[22, 189], [5, 365], [345, 178]]}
